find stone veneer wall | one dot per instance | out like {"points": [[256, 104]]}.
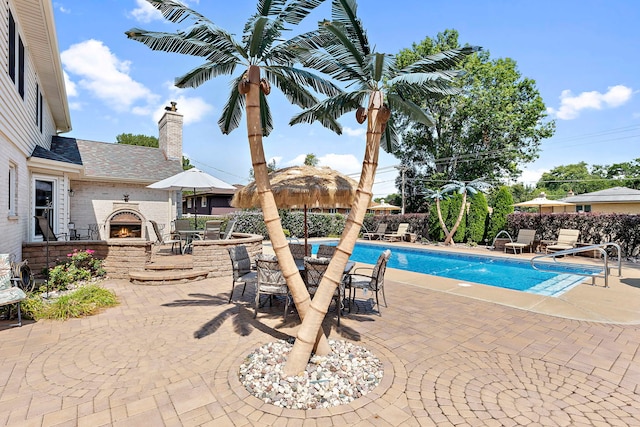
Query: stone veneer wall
{"points": [[119, 257], [212, 255]]}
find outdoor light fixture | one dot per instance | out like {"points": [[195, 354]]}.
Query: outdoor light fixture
{"points": [[71, 192]]}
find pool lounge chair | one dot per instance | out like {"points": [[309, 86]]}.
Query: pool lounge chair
{"points": [[378, 234], [567, 239], [171, 238], [525, 240], [403, 229]]}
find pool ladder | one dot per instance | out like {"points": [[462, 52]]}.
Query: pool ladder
{"points": [[493, 244], [602, 248]]}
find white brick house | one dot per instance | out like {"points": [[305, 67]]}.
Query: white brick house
{"points": [[84, 181]]}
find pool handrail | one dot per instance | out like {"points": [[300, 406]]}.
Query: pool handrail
{"points": [[493, 244], [597, 247]]}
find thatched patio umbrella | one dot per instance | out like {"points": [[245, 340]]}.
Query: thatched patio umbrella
{"points": [[302, 187]]}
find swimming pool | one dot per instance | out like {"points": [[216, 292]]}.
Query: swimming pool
{"points": [[489, 270]]}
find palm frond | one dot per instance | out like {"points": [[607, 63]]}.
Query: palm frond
{"points": [[305, 78], [232, 111], [390, 141], [332, 107], [204, 72], [379, 65], [327, 63], [262, 33], [342, 47], [169, 42], [175, 11], [345, 12], [425, 84], [441, 61], [271, 7], [296, 11], [265, 115], [409, 108]]}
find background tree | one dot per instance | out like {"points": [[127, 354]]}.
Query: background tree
{"points": [[460, 187], [311, 160], [147, 141], [582, 178], [502, 207], [271, 167], [477, 218], [491, 128]]}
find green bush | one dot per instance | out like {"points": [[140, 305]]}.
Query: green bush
{"points": [[79, 266], [477, 218], [502, 207]]}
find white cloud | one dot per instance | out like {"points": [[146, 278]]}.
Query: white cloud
{"points": [[105, 76], [345, 163], [192, 108], [570, 105], [531, 177], [69, 85], [146, 13], [276, 159], [296, 161], [61, 8], [354, 132]]}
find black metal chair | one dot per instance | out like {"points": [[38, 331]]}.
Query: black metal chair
{"points": [[373, 282], [299, 250], [314, 269], [242, 272]]}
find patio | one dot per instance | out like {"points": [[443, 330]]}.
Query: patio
{"points": [[169, 355]]}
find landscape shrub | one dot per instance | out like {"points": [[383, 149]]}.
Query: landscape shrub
{"points": [[477, 218], [79, 266]]}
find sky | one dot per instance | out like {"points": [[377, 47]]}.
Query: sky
{"points": [[582, 54]]}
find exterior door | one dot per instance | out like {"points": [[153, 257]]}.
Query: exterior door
{"points": [[44, 204]]}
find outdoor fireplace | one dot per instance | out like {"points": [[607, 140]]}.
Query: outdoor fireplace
{"points": [[125, 224]]}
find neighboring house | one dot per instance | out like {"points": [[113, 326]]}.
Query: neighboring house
{"points": [[611, 200], [79, 183], [214, 202]]}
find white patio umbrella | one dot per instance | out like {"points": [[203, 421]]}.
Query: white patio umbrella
{"points": [[542, 201], [194, 179]]}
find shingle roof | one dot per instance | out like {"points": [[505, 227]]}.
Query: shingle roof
{"points": [[615, 195], [116, 162]]}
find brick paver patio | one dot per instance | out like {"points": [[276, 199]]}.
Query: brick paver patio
{"points": [[168, 356]]}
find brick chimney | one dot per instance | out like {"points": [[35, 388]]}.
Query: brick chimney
{"points": [[170, 133]]}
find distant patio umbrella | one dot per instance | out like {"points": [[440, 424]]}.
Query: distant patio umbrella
{"points": [[542, 201], [194, 179], [385, 207], [302, 187]]}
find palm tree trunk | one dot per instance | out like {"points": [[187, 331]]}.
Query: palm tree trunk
{"points": [[269, 208], [449, 239], [302, 348], [442, 223]]}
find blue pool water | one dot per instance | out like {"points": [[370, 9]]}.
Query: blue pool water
{"points": [[494, 271]]}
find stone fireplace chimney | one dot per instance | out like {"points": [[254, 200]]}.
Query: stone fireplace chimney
{"points": [[170, 133]]}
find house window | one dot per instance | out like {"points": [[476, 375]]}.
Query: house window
{"points": [[189, 203], [203, 202], [12, 190], [16, 56], [583, 208], [39, 107]]}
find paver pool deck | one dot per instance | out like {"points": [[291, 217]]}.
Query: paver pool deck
{"points": [[453, 355]]}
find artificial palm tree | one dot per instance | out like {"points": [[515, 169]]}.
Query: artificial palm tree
{"points": [[261, 50], [461, 188], [342, 51]]}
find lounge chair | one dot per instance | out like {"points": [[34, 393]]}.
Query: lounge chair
{"points": [[212, 230], [161, 239], [373, 282], [378, 234], [525, 240], [47, 232], [10, 293], [403, 229], [567, 239]]}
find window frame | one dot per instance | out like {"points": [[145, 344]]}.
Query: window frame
{"points": [[12, 193]]}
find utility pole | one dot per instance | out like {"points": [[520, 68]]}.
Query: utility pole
{"points": [[402, 170]]}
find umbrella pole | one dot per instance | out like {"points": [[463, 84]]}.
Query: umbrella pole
{"points": [[306, 231]]}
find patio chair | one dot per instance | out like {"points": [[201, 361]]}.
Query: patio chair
{"points": [[326, 251], [378, 234], [373, 282], [270, 281], [403, 229], [181, 225], [299, 250], [567, 239], [229, 229], [10, 293], [212, 230], [525, 240], [172, 238], [242, 271], [314, 269], [47, 232]]}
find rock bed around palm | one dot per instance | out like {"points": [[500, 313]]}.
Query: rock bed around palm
{"points": [[349, 372]]}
